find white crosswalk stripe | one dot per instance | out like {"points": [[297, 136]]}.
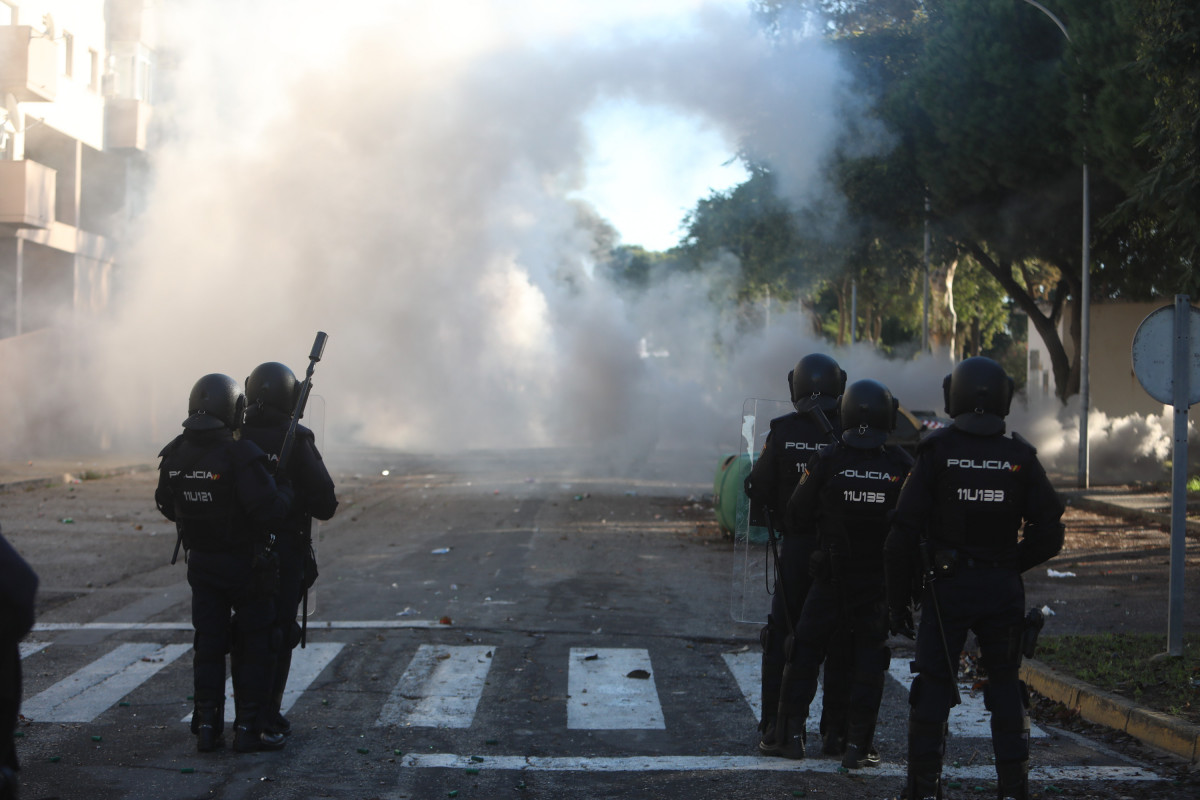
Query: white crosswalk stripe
{"points": [[307, 663], [29, 648], [440, 689], [86, 694], [612, 689], [746, 667], [968, 720]]}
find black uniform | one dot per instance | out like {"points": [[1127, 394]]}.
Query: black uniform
{"points": [[18, 586], [794, 439], [222, 497], [970, 494], [845, 496], [308, 477]]}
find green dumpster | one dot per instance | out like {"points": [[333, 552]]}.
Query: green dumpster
{"points": [[729, 497]]}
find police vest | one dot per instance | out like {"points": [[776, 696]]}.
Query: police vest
{"points": [[980, 491], [202, 479], [860, 488], [795, 440], [269, 436]]}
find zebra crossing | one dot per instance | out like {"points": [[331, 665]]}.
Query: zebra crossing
{"points": [[442, 686]]}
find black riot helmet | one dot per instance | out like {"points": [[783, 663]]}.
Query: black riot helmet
{"points": [[868, 413], [272, 385], [817, 379], [216, 401], [978, 395]]}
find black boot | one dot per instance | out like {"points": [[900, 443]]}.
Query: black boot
{"points": [[248, 733], [766, 738], [1012, 780], [860, 749], [790, 737], [275, 721], [833, 742], [208, 723], [8, 784], [785, 740], [924, 781]]}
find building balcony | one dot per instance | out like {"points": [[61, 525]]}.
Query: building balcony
{"points": [[26, 194], [28, 64], [125, 123]]}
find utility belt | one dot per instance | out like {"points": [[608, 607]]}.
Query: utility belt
{"points": [[947, 562], [827, 564]]}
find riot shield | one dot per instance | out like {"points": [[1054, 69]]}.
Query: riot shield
{"points": [[753, 575]]}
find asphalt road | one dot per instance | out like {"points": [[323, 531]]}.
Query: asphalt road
{"points": [[485, 626]]}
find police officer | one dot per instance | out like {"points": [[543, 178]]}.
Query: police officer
{"points": [[18, 586], [271, 394], [816, 382], [219, 491], [969, 493], [845, 495]]}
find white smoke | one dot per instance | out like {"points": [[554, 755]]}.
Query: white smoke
{"points": [[1133, 448], [400, 180]]}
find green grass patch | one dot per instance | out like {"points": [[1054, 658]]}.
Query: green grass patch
{"points": [[1193, 484], [1133, 666]]}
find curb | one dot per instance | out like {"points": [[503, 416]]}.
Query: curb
{"points": [[1099, 506], [60, 478], [1151, 727]]}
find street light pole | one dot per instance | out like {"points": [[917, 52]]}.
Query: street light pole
{"points": [[1085, 288]]}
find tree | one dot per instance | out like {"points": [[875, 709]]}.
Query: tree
{"points": [[996, 116], [1166, 200]]}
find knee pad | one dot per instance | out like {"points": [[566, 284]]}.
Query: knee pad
{"points": [[1003, 685]]}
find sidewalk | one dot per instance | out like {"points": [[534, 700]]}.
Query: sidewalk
{"points": [[17, 475], [1153, 728], [1156, 729]]}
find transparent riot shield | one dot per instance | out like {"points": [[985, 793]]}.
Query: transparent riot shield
{"points": [[314, 420], [753, 577]]}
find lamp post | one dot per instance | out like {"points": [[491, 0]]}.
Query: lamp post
{"points": [[1084, 294]]}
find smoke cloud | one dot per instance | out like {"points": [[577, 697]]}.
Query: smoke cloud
{"points": [[401, 180], [400, 176]]}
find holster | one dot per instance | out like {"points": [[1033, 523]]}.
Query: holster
{"points": [[1034, 621], [266, 572]]}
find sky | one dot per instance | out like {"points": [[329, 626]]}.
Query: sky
{"points": [[648, 166]]}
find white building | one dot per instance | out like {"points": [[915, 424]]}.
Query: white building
{"points": [[76, 79]]}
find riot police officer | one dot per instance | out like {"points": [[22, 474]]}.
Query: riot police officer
{"points": [[845, 495], [816, 382], [18, 587], [959, 520], [221, 495], [271, 394]]}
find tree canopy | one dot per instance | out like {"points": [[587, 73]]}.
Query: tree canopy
{"points": [[994, 114]]}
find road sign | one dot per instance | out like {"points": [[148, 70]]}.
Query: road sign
{"points": [[1167, 363], [1153, 354]]}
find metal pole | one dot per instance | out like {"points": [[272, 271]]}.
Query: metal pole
{"points": [[1180, 395], [925, 293], [853, 308], [1085, 300], [1085, 305]]}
